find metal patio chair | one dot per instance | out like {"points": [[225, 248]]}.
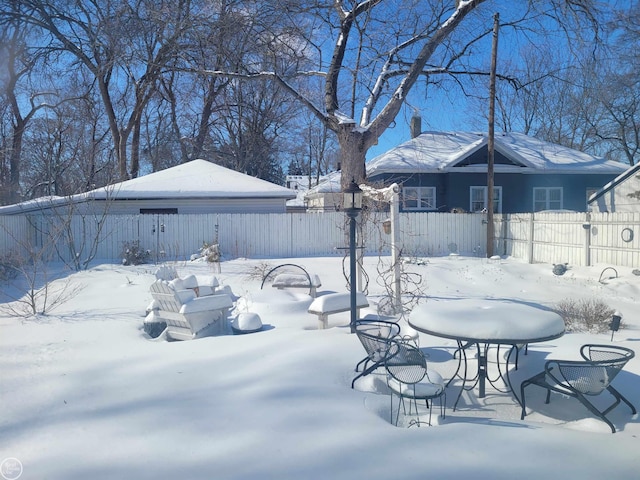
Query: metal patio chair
{"points": [[409, 379], [585, 378], [375, 336]]}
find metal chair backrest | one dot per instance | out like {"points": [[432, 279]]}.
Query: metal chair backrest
{"points": [[375, 336], [594, 374], [406, 363]]}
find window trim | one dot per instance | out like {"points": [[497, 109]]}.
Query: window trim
{"points": [[418, 199], [497, 208], [547, 199]]}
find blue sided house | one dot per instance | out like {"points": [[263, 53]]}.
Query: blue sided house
{"points": [[447, 171]]}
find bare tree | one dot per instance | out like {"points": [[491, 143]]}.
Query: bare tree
{"points": [[36, 290], [313, 149], [252, 116], [621, 100], [163, 70], [19, 62], [125, 45], [619, 88], [377, 53]]}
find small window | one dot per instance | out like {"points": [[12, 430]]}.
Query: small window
{"points": [[419, 198], [547, 198], [478, 199], [158, 211]]}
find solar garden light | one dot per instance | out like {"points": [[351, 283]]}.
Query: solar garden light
{"points": [[352, 204], [614, 324]]}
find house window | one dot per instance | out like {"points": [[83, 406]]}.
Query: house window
{"points": [[478, 199], [419, 198], [547, 198]]}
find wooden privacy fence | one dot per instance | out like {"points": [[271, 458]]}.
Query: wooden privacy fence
{"points": [[172, 237], [574, 238], [580, 239]]}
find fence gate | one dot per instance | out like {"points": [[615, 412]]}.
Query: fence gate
{"points": [[153, 233]]}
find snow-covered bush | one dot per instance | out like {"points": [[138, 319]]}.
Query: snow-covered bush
{"points": [[211, 253], [133, 254], [585, 315]]}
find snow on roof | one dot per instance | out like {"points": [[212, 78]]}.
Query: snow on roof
{"points": [[615, 182], [198, 178], [35, 204], [195, 179], [438, 152], [330, 184]]}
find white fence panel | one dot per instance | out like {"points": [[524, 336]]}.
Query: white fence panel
{"points": [[512, 233], [574, 238], [15, 233], [321, 234], [615, 239], [558, 238], [542, 237], [171, 237]]}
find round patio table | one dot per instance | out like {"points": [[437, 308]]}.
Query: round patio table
{"points": [[486, 322]]}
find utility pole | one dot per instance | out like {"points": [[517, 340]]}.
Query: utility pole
{"points": [[490, 138]]}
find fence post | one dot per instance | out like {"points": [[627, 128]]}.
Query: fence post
{"points": [[530, 240], [587, 240]]}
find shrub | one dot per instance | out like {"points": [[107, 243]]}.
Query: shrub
{"points": [[9, 266], [133, 254], [585, 315], [211, 253], [259, 271]]}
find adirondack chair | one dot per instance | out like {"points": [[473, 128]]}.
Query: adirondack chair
{"points": [[188, 316], [201, 284]]}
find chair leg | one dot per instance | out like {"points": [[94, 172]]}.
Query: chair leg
{"points": [[400, 401], [619, 396], [443, 405], [596, 412], [362, 362], [365, 372], [523, 412], [391, 409]]}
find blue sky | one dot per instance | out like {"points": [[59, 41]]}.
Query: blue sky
{"points": [[441, 113], [448, 108]]}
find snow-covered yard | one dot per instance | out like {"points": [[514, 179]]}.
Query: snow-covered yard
{"points": [[86, 394]]}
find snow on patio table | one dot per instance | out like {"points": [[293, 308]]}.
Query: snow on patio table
{"points": [[486, 319]]}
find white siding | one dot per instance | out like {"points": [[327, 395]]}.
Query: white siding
{"points": [[15, 234]]}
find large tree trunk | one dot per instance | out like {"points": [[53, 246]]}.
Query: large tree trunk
{"points": [[135, 150], [353, 152], [14, 163]]}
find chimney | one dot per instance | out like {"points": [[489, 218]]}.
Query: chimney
{"points": [[415, 125]]}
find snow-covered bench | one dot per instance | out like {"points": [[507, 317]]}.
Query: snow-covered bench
{"points": [[292, 280], [186, 315], [331, 303], [300, 279]]}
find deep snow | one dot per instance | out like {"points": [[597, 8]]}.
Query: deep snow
{"points": [[85, 394]]}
